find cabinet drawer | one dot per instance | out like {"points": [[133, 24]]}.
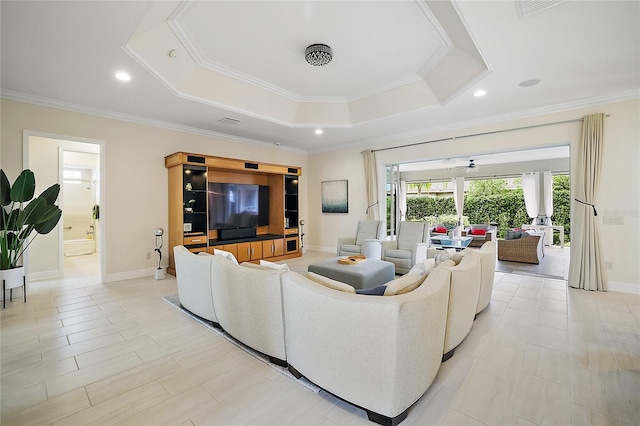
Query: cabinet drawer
{"points": [[198, 249], [291, 231], [199, 239]]}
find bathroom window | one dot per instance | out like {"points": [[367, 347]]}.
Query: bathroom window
{"points": [[71, 176]]}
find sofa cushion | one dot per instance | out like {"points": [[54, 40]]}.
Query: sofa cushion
{"points": [[423, 268], [226, 254], [373, 291], [253, 266], [440, 229], [443, 255], [404, 284], [273, 265], [513, 234], [398, 254], [329, 283], [350, 248], [447, 264]]}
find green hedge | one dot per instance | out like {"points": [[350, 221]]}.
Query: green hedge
{"points": [[488, 201]]}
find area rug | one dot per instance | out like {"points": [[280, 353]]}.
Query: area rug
{"points": [[175, 302]]}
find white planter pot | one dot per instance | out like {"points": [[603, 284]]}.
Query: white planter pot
{"points": [[10, 279]]}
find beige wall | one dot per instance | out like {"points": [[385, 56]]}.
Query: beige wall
{"points": [[135, 200], [619, 190], [134, 203]]}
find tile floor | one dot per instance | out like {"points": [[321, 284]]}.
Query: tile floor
{"points": [[82, 352]]}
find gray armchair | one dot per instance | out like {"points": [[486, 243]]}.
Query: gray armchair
{"points": [[366, 242], [409, 248]]}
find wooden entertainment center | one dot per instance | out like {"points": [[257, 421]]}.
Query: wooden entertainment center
{"points": [[191, 179]]}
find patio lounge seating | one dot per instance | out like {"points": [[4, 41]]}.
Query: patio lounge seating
{"points": [[526, 249]]}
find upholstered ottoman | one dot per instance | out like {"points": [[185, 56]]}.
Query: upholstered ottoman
{"points": [[367, 274]]}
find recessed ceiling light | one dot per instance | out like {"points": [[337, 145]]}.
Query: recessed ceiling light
{"points": [[319, 131], [528, 83], [479, 93], [123, 76]]}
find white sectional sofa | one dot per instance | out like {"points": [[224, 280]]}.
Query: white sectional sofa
{"points": [[193, 276], [463, 300], [248, 304], [488, 271], [380, 353]]}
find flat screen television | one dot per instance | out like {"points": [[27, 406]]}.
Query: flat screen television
{"points": [[236, 205]]}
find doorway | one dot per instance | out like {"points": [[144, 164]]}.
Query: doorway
{"points": [[75, 250], [495, 175], [80, 198]]}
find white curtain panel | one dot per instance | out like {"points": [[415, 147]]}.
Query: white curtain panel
{"points": [[371, 182], [547, 182], [458, 193], [531, 191], [402, 199], [586, 268]]}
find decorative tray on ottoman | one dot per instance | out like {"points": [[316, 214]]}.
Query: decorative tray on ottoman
{"points": [[352, 260]]}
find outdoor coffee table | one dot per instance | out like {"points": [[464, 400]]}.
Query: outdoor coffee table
{"points": [[455, 243], [367, 274]]}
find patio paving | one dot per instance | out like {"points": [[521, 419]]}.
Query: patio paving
{"points": [[555, 263]]}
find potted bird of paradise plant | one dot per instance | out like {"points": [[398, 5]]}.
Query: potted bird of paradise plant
{"points": [[21, 215]]}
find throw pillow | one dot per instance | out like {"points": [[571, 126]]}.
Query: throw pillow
{"points": [[374, 291], [226, 254], [329, 283], [423, 268], [254, 266], [404, 284], [282, 267], [513, 234], [440, 229], [445, 255], [447, 264], [478, 232], [456, 257]]}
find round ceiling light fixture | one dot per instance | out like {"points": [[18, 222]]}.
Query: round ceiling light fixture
{"points": [[479, 93], [319, 131], [529, 83], [318, 55], [123, 76]]}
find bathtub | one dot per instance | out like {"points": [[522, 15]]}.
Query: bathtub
{"points": [[79, 247]]}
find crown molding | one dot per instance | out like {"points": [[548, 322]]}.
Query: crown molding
{"points": [[99, 112], [382, 142]]}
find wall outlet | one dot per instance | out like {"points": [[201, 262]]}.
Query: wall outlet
{"points": [[149, 255], [609, 265]]}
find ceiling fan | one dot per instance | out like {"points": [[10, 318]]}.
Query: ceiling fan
{"points": [[472, 168], [469, 168]]}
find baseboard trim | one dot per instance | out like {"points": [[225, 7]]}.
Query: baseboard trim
{"points": [[624, 287], [324, 249], [128, 275], [45, 275]]}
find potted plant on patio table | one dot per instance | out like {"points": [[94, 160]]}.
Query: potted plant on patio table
{"points": [[21, 215]]}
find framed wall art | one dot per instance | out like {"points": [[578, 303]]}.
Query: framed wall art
{"points": [[335, 196]]}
